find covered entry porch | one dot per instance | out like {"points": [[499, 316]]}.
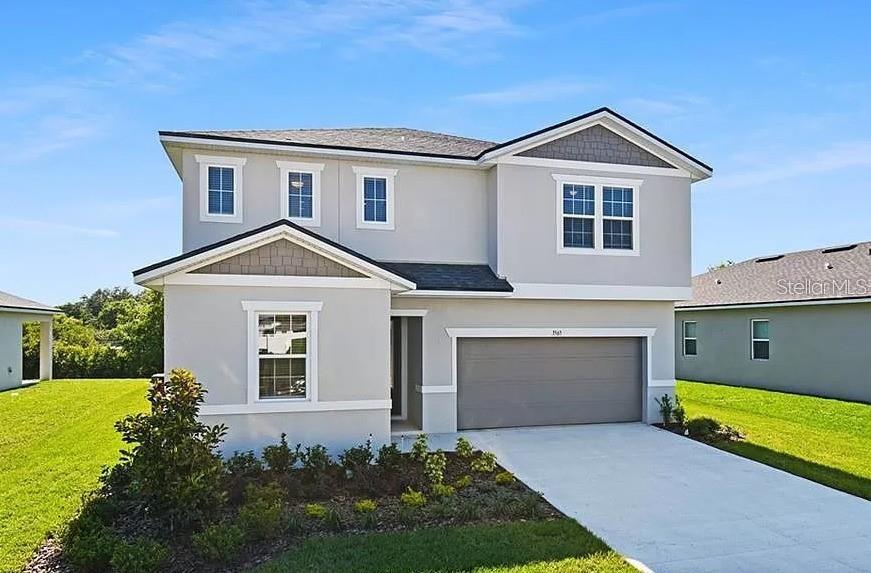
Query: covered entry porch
{"points": [[15, 312]]}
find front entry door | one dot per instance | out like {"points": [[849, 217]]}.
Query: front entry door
{"points": [[396, 366]]}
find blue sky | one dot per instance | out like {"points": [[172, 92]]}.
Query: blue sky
{"points": [[776, 96]]}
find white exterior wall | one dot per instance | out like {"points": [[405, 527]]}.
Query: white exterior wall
{"points": [[439, 402], [10, 351], [207, 331]]}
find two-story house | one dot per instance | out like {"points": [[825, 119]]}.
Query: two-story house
{"points": [[336, 283]]}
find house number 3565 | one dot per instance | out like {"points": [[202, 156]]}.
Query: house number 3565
{"points": [[557, 332]]}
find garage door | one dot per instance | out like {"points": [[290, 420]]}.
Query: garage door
{"points": [[505, 382]]}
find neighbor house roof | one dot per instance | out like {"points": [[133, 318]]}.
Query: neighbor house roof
{"points": [[454, 277], [10, 302], [414, 142], [832, 273], [433, 276]]}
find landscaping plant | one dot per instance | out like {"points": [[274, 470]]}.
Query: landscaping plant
{"points": [[412, 498], [420, 448], [172, 459], [389, 458], [504, 478], [464, 448], [485, 463], [142, 555], [364, 506], [279, 458], [219, 543], [434, 467], [443, 490], [463, 482], [315, 510], [666, 409]]}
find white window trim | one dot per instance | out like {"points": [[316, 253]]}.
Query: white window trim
{"points": [[234, 163], [753, 339], [311, 310], [684, 338], [314, 169], [598, 232], [389, 175]]}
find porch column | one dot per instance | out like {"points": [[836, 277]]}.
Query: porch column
{"points": [[45, 349]]}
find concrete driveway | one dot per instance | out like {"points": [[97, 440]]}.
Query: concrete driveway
{"points": [[679, 506]]}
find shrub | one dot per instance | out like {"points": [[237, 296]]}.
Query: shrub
{"points": [[315, 510], [434, 467], [364, 506], [368, 520], [270, 493], [703, 428], [666, 409], [142, 555], [244, 465], [464, 448], [279, 458], [260, 519], [463, 482], [412, 498], [442, 490], [504, 478], [219, 543], [173, 462], [678, 412], [315, 460], [389, 458], [485, 463], [357, 458], [88, 545], [420, 448]]}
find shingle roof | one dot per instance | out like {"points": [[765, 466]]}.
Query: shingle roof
{"points": [[393, 139], [841, 272], [11, 302], [456, 277]]}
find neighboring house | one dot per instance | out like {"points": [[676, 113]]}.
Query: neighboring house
{"points": [[14, 312], [336, 283], [798, 322]]}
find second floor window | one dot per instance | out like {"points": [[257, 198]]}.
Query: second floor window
{"points": [[597, 216], [375, 199], [222, 186], [300, 196]]}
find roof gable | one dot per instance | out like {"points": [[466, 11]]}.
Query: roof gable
{"points": [[596, 144], [243, 243], [279, 258]]}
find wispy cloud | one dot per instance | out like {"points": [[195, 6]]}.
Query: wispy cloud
{"points": [[174, 53], [57, 228], [540, 91], [680, 105], [833, 158]]}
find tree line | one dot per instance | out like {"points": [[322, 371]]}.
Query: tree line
{"points": [[110, 333]]}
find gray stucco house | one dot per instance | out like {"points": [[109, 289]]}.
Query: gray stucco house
{"points": [[337, 283], [14, 312], [796, 322]]}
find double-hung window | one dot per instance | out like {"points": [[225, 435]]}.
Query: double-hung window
{"points": [[301, 192], [597, 215], [760, 342], [282, 350], [220, 188], [690, 340], [375, 198]]}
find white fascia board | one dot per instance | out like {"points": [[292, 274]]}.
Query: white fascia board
{"points": [[266, 237], [455, 294], [13, 310], [592, 166], [320, 151], [600, 292], [773, 304]]}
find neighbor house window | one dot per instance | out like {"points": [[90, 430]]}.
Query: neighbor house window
{"points": [[282, 352], [375, 204], [220, 188], [760, 343], [301, 192], [282, 347], [690, 341], [597, 215]]}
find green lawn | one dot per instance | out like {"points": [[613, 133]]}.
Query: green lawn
{"points": [[827, 441], [54, 439], [560, 546]]}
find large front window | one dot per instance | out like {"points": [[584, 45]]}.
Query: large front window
{"points": [[282, 352]]}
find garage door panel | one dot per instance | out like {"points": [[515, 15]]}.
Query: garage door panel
{"points": [[533, 381]]}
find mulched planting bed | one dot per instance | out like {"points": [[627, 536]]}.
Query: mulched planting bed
{"points": [[483, 501]]}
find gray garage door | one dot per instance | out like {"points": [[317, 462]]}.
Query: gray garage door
{"points": [[505, 382]]}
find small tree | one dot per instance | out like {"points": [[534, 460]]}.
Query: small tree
{"points": [[174, 467]]}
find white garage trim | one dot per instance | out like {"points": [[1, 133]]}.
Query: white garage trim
{"points": [[549, 332]]}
